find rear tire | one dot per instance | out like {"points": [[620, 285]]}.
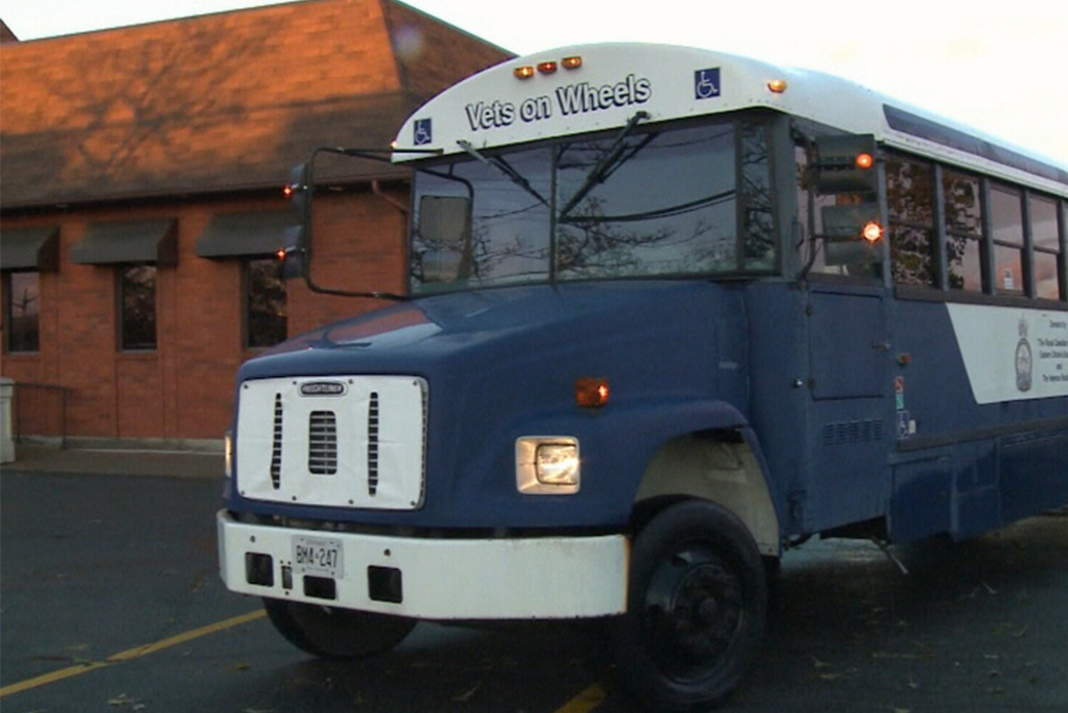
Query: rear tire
{"points": [[332, 633], [696, 608]]}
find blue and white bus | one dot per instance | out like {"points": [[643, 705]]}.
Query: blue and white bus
{"points": [[670, 312]]}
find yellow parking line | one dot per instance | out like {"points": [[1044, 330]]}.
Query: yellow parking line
{"points": [[586, 701], [52, 677], [128, 654], [139, 651]]}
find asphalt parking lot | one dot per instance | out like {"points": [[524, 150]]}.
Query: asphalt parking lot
{"points": [[110, 601]]}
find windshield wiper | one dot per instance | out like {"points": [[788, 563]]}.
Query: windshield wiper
{"points": [[612, 160], [504, 167]]}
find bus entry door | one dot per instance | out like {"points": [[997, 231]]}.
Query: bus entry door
{"points": [[850, 417]]}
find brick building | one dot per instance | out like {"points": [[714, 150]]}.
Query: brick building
{"points": [[140, 202]]}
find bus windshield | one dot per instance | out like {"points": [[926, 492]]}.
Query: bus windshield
{"points": [[649, 202]]}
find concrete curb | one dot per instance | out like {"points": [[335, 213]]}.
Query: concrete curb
{"points": [[125, 461]]}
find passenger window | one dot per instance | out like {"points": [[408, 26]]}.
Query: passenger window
{"points": [[1046, 246], [1006, 223], [910, 200], [964, 231]]}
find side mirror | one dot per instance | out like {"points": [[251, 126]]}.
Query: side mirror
{"points": [[440, 265], [444, 224], [844, 238], [445, 220], [844, 170], [301, 188], [845, 164], [293, 252]]}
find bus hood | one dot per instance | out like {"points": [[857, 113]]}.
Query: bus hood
{"points": [[524, 323]]}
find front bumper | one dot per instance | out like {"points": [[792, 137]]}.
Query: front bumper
{"points": [[442, 579]]}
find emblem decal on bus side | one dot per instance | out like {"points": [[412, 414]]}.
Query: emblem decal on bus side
{"points": [[1023, 359], [1011, 354]]}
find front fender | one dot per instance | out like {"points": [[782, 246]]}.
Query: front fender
{"points": [[618, 442]]}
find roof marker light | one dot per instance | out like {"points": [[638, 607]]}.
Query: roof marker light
{"points": [[571, 62], [777, 85], [546, 67], [524, 72]]}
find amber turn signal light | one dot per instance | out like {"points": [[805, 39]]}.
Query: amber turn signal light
{"points": [[591, 392], [872, 232]]}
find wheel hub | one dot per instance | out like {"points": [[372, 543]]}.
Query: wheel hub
{"points": [[694, 610]]}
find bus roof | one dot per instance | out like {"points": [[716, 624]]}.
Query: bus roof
{"points": [[614, 82]]}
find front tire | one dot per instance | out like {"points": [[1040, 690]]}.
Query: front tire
{"points": [[332, 633], [696, 608]]}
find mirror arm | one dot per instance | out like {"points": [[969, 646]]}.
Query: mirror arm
{"points": [[304, 249]]}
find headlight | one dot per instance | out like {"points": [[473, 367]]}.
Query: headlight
{"points": [[547, 465], [557, 463], [228, 453]]}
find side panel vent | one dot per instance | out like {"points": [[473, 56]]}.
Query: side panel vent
{"points": [[276, 444], [846, 432], [322, 443], [372, 444]]}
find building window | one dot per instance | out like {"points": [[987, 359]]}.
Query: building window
{"points": [[22, 316], [265, 299], [964, 231], [138, 307], [1047, 247]]}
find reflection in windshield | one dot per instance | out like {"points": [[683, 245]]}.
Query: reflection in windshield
{"points": [[649, 203], [509, 237], [669, 209]]}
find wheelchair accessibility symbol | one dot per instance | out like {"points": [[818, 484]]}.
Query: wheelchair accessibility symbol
{"points": [[706, 83], [423, 133]]}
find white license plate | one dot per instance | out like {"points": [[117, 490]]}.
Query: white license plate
{"points": [[321, 556]]}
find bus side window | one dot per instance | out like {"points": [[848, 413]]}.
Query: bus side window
{"points": [[910, 200], [1047, 246], [1007, 225], [964, 231]]}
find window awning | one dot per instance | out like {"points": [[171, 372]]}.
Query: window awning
{"points": [[30, 248], [245, 234], [152, 241]]}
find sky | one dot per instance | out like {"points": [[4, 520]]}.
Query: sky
{"points": [[1001, 67]]}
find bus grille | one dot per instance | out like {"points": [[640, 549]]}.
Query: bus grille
{"points": [[322, 443], [348, 441]]}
